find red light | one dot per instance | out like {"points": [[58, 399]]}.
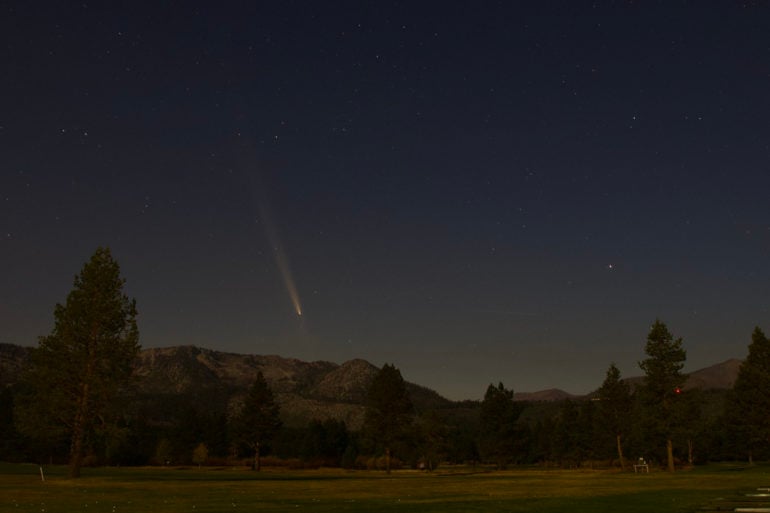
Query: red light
{"points": [[677, 390]]}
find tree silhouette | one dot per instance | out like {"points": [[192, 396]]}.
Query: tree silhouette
{"points": [[78, 369], [749, 402], [259, 419], [614, 408], [498, 417], [388, 410], [663, 382]]}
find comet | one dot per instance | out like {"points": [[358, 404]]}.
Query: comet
{"points": [[271, 233], [288, 279], [281, 259]]}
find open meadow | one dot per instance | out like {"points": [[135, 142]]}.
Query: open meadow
{"points": [[123, 490]]}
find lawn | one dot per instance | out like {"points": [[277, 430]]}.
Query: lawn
{"points": [[163, 490]]}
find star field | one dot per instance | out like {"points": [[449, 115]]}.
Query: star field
{"points": [[473, 192]]}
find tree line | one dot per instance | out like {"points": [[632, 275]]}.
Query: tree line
{"points": [[75, 403]]}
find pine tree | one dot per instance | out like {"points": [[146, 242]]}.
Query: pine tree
{"points": [[80, 367], [389, 410], [614, 408], [750, 398], [565, 441], [259, 420], [498, 425], [586, 431], [431, 438], [663, 383]]}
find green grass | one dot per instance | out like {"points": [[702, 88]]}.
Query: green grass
{"points": [[163, 490]]}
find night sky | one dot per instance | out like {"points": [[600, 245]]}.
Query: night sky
{"points": [[473, 191]]}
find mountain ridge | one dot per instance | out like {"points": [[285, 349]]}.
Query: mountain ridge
{"points": [[305, 390]]}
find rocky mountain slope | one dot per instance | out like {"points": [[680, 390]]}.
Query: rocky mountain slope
{"points": [[173, 378], [305, 390]]}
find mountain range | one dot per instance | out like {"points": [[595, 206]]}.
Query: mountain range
{"points": [[189, 375]]}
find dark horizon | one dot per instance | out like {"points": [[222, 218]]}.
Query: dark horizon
{"points": [[703, 377], [717, 383]]}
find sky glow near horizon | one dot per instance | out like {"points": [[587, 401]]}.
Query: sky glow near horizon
{"points": [[476, 193]]}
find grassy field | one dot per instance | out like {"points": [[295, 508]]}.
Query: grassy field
{"points": [[123, 490]]}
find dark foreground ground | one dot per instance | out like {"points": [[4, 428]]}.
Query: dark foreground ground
{"points": [[159, 490]]}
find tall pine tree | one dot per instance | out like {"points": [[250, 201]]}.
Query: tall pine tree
{"points": [[750, 398], [498, 418], [259, 420], [80, 367], [389, 410], [614, 408], [663, 381]]}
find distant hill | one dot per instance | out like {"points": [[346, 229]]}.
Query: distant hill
{"points": [[173, 378], [552, 394], [720, 376]]}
